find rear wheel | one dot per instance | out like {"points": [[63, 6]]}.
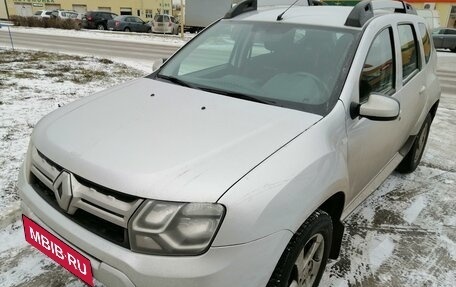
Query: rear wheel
{"points": [[101, 27], [304, 259], [413, 157]]}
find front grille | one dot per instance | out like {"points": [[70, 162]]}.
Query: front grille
{"points": [[97, 225], [100, 210]]}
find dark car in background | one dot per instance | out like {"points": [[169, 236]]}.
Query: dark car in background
{"points": [[97, 19], [129, 24], [444, 38]]}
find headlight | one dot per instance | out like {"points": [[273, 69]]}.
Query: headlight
{"points": [[174, 228]]}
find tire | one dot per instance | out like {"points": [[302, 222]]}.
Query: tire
{"points": [[318, 227], [149, 31], [176, 31], [127, 29], [410, 162], [101, 27]]}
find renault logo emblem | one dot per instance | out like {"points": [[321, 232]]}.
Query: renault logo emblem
{"points": [[63, 190]]}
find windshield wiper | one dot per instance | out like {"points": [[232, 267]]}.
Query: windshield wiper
{"points": [[238, 96], [177, 81]]}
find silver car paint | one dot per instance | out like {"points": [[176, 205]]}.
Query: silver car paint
{"points": [[373, 144], [312, 168], [267, 204], [99, 141]]}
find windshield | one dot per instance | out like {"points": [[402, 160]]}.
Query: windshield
{"points": [[288, 65]]}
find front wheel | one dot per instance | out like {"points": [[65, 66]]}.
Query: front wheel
{"points": [[410, 162], [304, 259], [101, 27], [127, 29]]}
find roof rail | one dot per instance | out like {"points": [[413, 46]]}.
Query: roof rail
{"points": [[364, 10], [252, 5]]}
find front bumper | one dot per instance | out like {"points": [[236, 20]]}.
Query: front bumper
{"points": [[249, 264]]}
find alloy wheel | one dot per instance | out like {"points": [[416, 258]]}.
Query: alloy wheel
{"points": [[309, 261]]}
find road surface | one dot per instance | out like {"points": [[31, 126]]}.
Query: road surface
{"points": [[145, 53]]}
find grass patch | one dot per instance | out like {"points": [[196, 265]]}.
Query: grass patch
{"points": [[16, 67], [83, 76], [25, 75], [105, 61]]}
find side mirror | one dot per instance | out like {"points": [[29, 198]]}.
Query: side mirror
{"points": [[380, 108]]}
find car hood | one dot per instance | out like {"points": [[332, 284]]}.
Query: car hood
{"points": [[158, 140]]}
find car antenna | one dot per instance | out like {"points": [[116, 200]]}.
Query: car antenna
{"points": [[279, 18]]}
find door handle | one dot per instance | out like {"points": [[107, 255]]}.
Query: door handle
{"points": [[422, 90]]}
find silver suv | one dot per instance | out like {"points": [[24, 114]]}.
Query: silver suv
{"points": [[236, 161]]}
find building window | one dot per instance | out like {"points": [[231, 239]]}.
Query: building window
{"points": [[125, 11], [149, 13]]}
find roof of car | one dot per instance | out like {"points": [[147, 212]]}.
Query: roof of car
{"points": [[320, 15], [311, 15]]}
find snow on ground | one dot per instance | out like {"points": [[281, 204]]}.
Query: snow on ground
{"points": [[159, 39], [32, 84], [404, 234]]}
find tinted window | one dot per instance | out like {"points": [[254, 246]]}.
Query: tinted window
{"points": [[450, 32], [378, 70], [38, 12], [426, 41], [409, 50]]}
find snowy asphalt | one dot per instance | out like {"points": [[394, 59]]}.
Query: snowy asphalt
{"points": [[404, 234]]}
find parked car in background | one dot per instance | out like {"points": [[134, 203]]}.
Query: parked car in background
{"points": [[164, 23], [129, 23], [444, 38], [97, 19], [43, 14], [62, 14]]}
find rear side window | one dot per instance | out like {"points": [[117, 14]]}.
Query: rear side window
{"points": [[409, 50], [38, 12], [378, 72], [426, 41]]}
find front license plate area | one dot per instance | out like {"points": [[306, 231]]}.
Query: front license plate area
{"points": [[57, 250]]}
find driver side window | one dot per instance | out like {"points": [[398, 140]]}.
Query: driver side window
{"points": [[378, 72]]}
